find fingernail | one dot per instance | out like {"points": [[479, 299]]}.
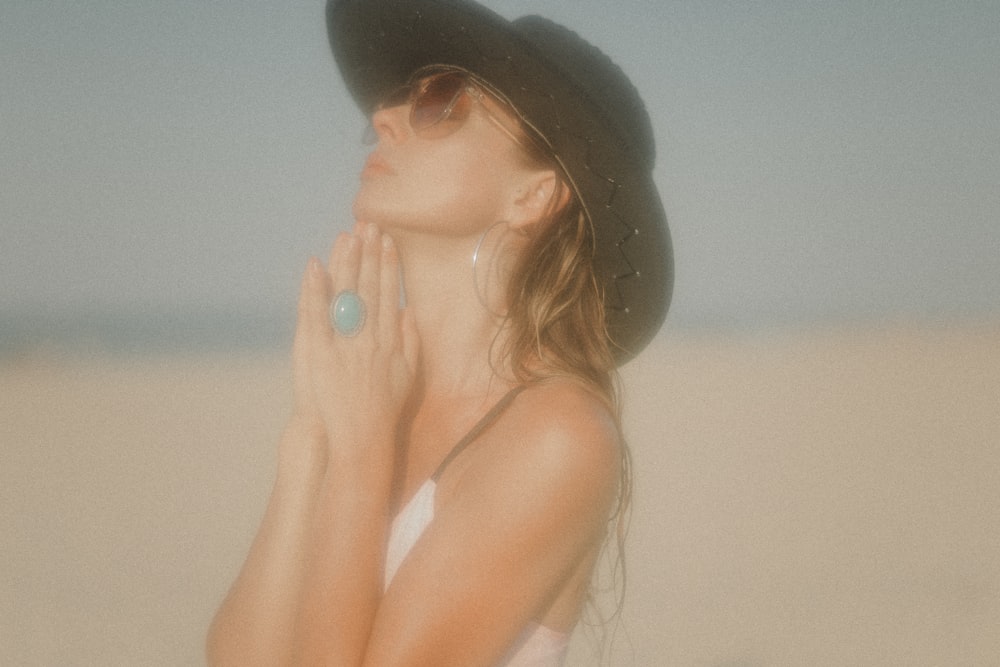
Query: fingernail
{"points": [[386, 242], [371, 231]]}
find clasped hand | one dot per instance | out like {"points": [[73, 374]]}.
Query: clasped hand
{"points": [[350, 391]]}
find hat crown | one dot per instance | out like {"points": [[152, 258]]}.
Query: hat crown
{"points": [[599, 81]]}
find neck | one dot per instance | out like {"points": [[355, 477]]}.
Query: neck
{"points": [[457, 332]]}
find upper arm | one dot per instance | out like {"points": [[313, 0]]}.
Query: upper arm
{"points": [[530, 505]]}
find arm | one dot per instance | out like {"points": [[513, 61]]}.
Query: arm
{"points": [[361, 406], [522, 515], [514, 528], [256, 620], [344, 567], [307, 588]]}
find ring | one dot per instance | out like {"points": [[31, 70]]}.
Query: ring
{"points": [[347, 313]]}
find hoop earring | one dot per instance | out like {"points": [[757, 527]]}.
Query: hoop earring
{"points": [[475, 273]]}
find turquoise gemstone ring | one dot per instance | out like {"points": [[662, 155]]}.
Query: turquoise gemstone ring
{"points": [[347, 313]]}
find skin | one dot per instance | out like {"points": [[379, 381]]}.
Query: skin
{"points": [[519, 516]]}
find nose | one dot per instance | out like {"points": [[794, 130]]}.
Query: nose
{"points": [[388, 124]]}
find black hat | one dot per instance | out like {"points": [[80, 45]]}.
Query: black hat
{"points": [[583, 106]]}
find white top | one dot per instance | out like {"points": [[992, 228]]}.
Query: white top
{"points": [[538, 646]]}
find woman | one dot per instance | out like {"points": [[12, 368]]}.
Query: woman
{"points": [[446, 480]]}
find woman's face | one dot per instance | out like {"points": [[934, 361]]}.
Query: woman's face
{"points": [[455, 185]]}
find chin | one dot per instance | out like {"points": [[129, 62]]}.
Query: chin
{"points": [[369, 207], [392, 211], [377, 213], [381, 207]]}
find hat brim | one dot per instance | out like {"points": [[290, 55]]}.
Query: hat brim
{"points": [[379, 44]]}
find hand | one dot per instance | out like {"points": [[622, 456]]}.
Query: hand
{"points": [[354, 388]]}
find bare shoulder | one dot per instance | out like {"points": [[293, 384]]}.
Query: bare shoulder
{"points": [[518, 518], [565, 420], [557, 438]]}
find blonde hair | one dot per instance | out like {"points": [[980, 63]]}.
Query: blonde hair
{"points": [[555, 327], [555, 310]]}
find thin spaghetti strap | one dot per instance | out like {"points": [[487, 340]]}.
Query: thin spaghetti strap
{"points": [[477, 430]]}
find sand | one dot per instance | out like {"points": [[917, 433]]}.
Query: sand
{"points": [[823, 498]]}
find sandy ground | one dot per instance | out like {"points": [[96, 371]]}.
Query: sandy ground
{"points": [[801, 499]]}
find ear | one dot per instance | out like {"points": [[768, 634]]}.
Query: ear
{"points": [[538, 195]]}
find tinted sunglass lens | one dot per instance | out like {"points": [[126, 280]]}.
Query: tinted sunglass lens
{"points": [[438, 105], [438, 101]]}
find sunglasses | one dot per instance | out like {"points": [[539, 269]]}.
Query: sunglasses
{"points": [[440, 104]]}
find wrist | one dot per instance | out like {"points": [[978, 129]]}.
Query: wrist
{"points": [[362, 445], [302, 445]]}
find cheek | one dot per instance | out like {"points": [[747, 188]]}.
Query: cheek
{"points": [[458, 202]]}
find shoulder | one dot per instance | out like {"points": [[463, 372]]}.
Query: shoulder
{"points": [[564, 420], [515, 521], [557, 443]]}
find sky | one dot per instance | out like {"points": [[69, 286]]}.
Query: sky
{"points": [[819, 162]]}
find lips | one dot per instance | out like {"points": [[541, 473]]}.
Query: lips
{"points": [[375, 165]]}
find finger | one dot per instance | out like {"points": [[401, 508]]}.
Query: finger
{"points": [[316, 297], [344, 261], [389, 287], [411, 341], [370, 269], [311, 293], [303, 304], [306, 328], [300, 341]]}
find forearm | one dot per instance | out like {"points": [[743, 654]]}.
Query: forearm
{"points": [[255, 624], [346, 557]]}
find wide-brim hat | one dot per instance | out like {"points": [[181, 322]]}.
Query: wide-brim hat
{"points": [[580, 103]]}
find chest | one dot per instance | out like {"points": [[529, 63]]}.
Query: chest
{"points": [[426, 442]]}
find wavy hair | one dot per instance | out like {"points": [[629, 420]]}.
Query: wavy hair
{"points": [[555, 327]]}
